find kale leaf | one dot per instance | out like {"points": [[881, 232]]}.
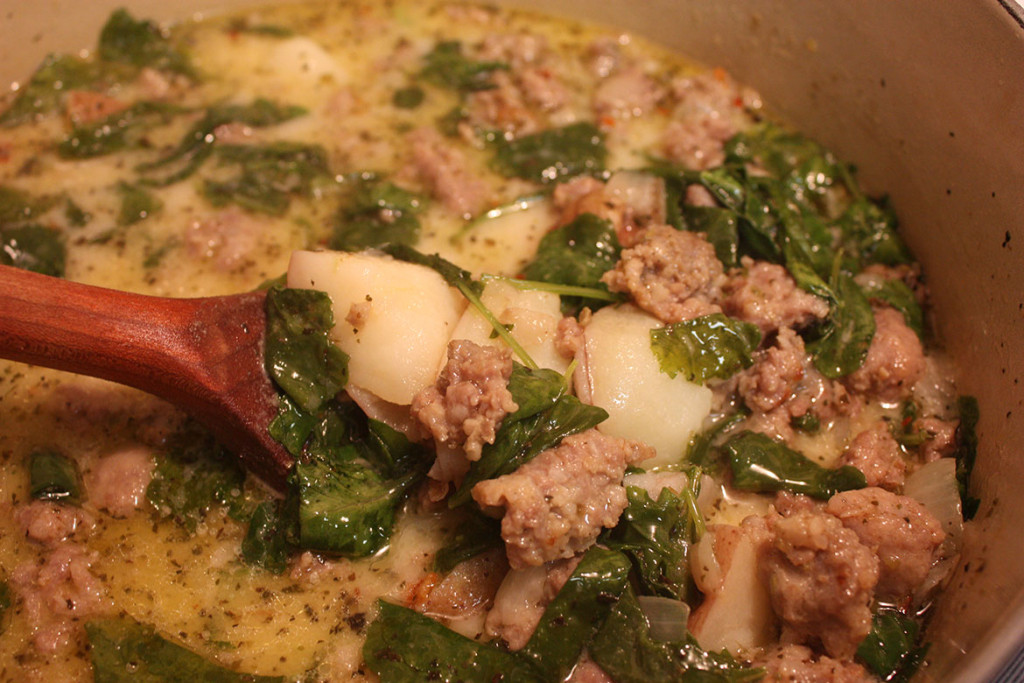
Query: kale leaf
{"points": [[760, 464], [268, 175], [576, 254], [624, 648], [137, 204], [266, 543], [376, 212], [194, 475], [118, 131], [54, 477], [475, 535], [404, 646], [897, 294], [841, 343], [45, 90], [125, 651], [967, 452], [577, 612], [891, 650], [299, 355], [657, 535], [552, 154], [711, 346], [347, 504], [33, 247], [197, 145], [448, 67], [140, 43]]}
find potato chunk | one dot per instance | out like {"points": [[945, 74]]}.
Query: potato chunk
{"points": [[531, 316], [643, 403], [393, 319]]}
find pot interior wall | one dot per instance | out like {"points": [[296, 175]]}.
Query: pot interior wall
{"points": [[927, 101]]}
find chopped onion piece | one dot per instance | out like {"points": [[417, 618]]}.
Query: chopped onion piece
{"points": [[934, 486], [666, 617]]}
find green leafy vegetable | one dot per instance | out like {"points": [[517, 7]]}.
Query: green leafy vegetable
{"points": [[546, 415], [844, 339], [475, 535], [706, 347], [55, 477], [193, 476], [625, 650], [701, 451], [577, 254], [408, 98], [552, 154], [5, 604], [897, 294], [140, 43], [18, 207], [45, 90], [448, 67], [347, 504], [760, 464], [377, 212], [404, 646], [33, 247], [119, 131], [967, 452], [868, 231], [299, 355], [125, 651], [657, 535], [577, 612], [268, 175], [198, 143], [137, 204], [891, 651], [266, 544]]}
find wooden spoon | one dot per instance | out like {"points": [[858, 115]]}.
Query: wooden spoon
{"points": [[203, 355]]}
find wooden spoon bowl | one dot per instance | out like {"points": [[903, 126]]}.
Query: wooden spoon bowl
{"points": [[203, 355]]}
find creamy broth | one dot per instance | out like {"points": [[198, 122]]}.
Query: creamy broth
{"points": [[347, 64]]}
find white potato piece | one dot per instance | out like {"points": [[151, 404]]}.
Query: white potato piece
{"points": [[532, 315], [408, 314], [736, 614], [505, 239], [624, 378]]}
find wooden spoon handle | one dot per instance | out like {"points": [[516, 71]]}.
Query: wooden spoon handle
{"points": [[203, 355]]}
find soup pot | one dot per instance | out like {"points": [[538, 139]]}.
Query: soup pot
{"points": [[927, 100]]}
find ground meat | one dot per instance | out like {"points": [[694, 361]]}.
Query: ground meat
{"points": [[56, 594], [878, 455], [900, 530], [227, 239], [797, 664], [118, 481], [50, 523], [587, 671], [783, 385], [631, 200], [470, 398], [542, 88], [822, 580], [569, 338], [85, 106], [697, 143], [895, 360], [626, 93], [672, 274], [444, 171], [557, 504], [766, 294], [502, 106], [940, 437], [522, 597]]}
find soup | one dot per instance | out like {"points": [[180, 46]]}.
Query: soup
{"points": [[612, 376]]}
